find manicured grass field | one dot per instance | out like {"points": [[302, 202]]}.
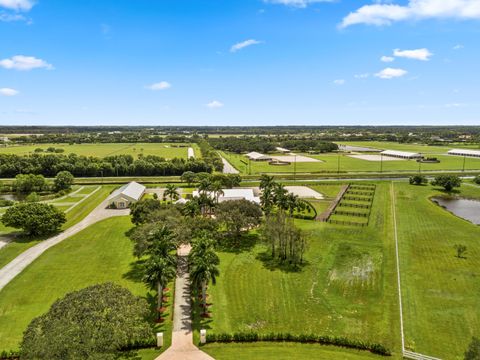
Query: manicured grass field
{"points": [[98, 254], [168, 151], [285, 351], [346, 289], [440, 291], [330, 163], [20, 244]]}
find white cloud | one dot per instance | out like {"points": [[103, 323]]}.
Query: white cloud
{"points": [[387, 59], [8, 92], [24, 63], [386, 14], [244, 44], [418, 54], [162, 85], [17, 5], [296, 3], [215, 104], [455, 105], [339, 82], [361, 76], [390, 73], [458, 47], [7, 17]]}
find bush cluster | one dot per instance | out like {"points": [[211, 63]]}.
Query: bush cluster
{"points": [[247, 337], [9, 355]]}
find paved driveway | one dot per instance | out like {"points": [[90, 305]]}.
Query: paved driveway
{"points": [[17, 265]]}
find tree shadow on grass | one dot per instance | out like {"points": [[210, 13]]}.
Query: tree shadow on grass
{"points": [[231, 244], [275, 264], [135, 273]]}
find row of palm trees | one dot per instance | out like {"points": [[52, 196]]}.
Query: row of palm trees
{"points": [[274, 195]]}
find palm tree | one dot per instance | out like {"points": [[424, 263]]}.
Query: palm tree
{"points": [[191, 208], [217, 190], [203, 266], [292, 203], [161, 242], [266, 182], [158, 272], [171, 192], [205, 201], [205, 186], [280, 196]]}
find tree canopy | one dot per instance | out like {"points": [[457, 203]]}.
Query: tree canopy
{"points": [[97, 322], [448, 182], [63, 181], [35, 219]]}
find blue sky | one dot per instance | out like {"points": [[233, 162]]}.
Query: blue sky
{"points": [[248, 62]]}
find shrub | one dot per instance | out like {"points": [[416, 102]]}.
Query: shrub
{"points": [[418, 180], [301, 338], [476, 180]]}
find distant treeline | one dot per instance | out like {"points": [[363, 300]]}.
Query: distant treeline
{"points": [[269, 144], [104, 137], [82, 166]]}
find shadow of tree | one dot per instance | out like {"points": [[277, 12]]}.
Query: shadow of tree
{"points": [[136, 271], [236, 245], [275, 264]]}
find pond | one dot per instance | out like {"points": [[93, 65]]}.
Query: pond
{"points": [[464, 208]]}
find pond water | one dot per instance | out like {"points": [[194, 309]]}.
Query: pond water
{"points": [[464, 208]]}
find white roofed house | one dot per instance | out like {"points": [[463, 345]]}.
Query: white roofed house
{"points": [[255, 156], [233, 194], [401, 154], [283, 150], [128, 194]]}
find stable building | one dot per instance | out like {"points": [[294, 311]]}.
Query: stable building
{"points": [[465, 152], [233, 194], [283, 150], [402, 154], [128, 194], [255, 156]]}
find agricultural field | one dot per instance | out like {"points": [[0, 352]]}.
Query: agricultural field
{"points": [[101, 253], [168, 151], [77, 205], [332, 163]]}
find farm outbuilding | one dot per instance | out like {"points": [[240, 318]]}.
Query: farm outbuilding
{"points": [[255, 156], [128, 194], [401, 154], [465, 152], [233, 194], [283, 150]]}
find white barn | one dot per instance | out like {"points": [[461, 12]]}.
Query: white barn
{"points": [[465, 152], [401, 154], [128, 194]]}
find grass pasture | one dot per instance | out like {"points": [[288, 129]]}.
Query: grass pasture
{"points": [[440, 291], [98, 254], [90, 199], [165, 150], [347, 287], [330, 162]]}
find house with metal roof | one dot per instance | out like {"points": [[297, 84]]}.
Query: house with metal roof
{"points": [[233, 194], [401, 154], [128, 194], [465, 152]]}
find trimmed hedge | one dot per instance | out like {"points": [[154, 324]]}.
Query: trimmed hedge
{"points": [[249, 337], [9, 355]]}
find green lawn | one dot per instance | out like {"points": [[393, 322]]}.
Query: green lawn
{"points": [[420, 148], [440, 291], [346, 289], [329, 164], [284, 351], [98, 254], [20, 243], [168, 151]]}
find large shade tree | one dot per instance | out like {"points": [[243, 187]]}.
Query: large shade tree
{"points": [[97, 322]]}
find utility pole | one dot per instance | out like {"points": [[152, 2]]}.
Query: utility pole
{"points": [[338, 164], [295, 169], [381, 163], [464, 161]]}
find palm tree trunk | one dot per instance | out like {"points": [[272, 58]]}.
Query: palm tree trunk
{"points": [[204, 296], [160, 294]]}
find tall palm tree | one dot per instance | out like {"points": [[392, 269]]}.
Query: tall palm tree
{"points": [[205, 186], [171, 192], [191, 208], [161, 242], [292, 203], [217, 190], [266, 182], [280, 196], [158, 272], [203, 263]]}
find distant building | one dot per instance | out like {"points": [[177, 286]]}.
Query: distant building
{"points": [[350, 148], [255, 156], [283, 150], [234, 194], [125, 196], [465, 152], [401, 154]]}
